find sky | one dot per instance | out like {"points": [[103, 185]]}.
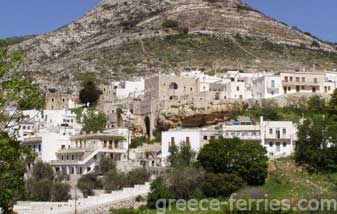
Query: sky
{"points": [[27, 17]]}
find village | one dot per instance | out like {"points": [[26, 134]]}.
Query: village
{"points": [[143, 122], [56, 132]]}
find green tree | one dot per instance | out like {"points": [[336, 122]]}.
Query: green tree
{"points": [[316, 145], [232, 156], [15, 91], [316, 105], [158, 191], [216, 185], [94, 122], [182, 156], [105, 165], [12, 169], [89, 93], [137, 176], [113, 180], [183, 183], [45, 185], [87, 183], [332, 105]]}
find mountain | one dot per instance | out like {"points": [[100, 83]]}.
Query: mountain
{"points": [[119, 38]]}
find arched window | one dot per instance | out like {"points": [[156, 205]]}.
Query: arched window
{"points": [[173, 86]]}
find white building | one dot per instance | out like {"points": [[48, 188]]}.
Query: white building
{"points": [[266, 87], [47, 131], [278, 137], [127, 89], [85, 151]]}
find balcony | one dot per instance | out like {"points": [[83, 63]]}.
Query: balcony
{"points": [[306, 83]]}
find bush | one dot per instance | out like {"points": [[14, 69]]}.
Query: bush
{"points": [[158, 191], [105, 165], [224, 185], [169, 23], [315, 44], [60, 192], [184, 182], [45, 185], [137, 176], [93, 122], [87, 183], [113, 181]]}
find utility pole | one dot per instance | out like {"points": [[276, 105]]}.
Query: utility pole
{"points": [[76, 198]]}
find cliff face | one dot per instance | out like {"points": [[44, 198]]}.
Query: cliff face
{"points": [[128, 37]]}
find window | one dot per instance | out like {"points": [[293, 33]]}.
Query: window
{"points": [[297, 79], [172, 141], [291, 79], [315, 80], [205, 137], [187, 140], [271, 144], [284, 144], [237, 88], [284, 131], [273, 83], [270, 131]]}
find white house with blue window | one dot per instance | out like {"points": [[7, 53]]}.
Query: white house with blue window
{"points": [[268, 86]]}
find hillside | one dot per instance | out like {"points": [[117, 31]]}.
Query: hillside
{"points": [[123, 37], [286, 180]]}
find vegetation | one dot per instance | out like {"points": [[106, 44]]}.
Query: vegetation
{"points": [[87, 183], [45, 185], [94, 122], [317, 138], [17, 91], [295, 108], [184, 50], [12, 169], [89, 93], [139, 141], [232, 156], [108, 178], [169, 23], [182, 157]]}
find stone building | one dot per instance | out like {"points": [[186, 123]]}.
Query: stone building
{"points": [[59, 101]]}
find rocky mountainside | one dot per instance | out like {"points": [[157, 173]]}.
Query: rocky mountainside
{"points": [[119, 38]]}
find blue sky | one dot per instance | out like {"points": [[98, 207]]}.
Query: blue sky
{"points": [[25, 17]]}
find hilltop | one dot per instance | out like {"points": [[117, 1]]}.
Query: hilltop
{"points": [[119, 38]]}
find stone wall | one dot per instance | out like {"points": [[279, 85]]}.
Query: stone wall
{"points": [[100, 204]]}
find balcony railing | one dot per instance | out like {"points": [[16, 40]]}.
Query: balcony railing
{"points": [[291, 83]]}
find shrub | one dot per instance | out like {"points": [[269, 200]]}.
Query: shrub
{"points": [[224, 185], [137, 176], [105, 165], [169, 23], [315, 44], [158, 191], [87, 183], [113, 181], [45, 185], [60, 192], [184, 182], [93, 122]]}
